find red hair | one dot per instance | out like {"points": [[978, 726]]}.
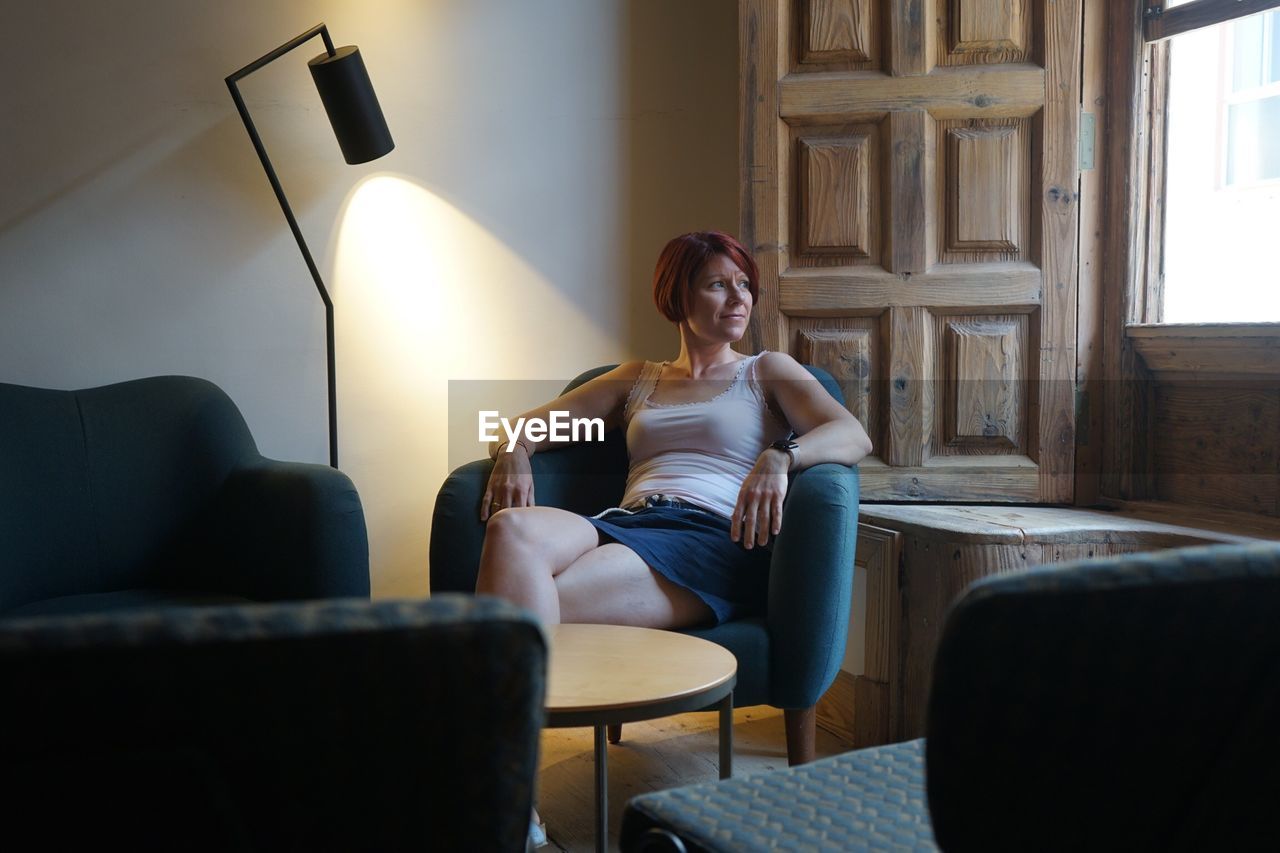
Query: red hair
{"points": [[683, 257]]}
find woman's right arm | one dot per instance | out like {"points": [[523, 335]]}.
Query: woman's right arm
{"points": [[511, 481]]}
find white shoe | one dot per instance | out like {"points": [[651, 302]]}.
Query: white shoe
{"points": [[537, 835]]}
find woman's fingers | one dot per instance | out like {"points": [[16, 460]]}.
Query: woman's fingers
{"points": [[505, 495], [750, 522], [510, 485], [764, 524], [757, 517]]}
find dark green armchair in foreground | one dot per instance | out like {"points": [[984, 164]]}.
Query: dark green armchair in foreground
{"points": [[152, 492], [1122, 703], [309, 726], [788, 656]]}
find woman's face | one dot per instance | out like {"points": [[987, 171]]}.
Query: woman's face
{"points": [[719, 301]]}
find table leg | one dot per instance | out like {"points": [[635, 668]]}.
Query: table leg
{"points": [[726, 737], [602, 792]]}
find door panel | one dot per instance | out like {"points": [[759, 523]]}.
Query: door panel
{"points": [[910, 175]]}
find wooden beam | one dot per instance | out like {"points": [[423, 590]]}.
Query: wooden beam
{"points": [[964, 92], [1251, 352], [758, 145], [1125, 456], [868, 291], [1167, 23], [1060, 223]]}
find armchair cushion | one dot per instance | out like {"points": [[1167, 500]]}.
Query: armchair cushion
{"points": [[873, 799]]}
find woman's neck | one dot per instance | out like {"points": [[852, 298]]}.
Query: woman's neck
{"points": [[699, 357]]}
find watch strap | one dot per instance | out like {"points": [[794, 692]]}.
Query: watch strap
{"points": [[788, 447]]}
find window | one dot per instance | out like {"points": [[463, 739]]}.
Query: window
{"points": [[1220, 216], [1252, 99]]}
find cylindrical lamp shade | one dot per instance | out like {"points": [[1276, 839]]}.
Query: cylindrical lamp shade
{"points": [[352, 106]]}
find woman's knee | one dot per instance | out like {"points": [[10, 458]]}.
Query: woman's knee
{"points": [[539, 534], [507, 528]]}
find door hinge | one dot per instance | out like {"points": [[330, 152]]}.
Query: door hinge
{"points": [[1082, 418], [1088, 140]]}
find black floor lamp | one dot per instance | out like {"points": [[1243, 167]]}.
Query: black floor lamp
{"points": [[348, 98]]}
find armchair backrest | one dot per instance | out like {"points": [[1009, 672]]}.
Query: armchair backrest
{"points": [[100, 485], [1127, 702], [328, 725]]}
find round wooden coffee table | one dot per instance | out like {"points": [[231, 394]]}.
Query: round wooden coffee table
{"points": [[603, 675]]}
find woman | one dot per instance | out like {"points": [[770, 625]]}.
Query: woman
{"points": [[706, 433]]}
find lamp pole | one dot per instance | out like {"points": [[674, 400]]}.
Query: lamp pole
{"points": [[362, 132]]}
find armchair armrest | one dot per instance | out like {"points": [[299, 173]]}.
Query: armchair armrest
{"points": [[810, 582], [457, 533], [286, 530]]}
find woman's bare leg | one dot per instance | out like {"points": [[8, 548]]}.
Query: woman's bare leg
{"points": [[525, 548], [612, 585], [550, 561]]}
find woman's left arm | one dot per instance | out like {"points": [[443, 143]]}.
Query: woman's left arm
{"points": [[825, 432]]}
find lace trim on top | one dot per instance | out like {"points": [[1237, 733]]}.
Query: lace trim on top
{"points": [[641, 388], [742, 365]]}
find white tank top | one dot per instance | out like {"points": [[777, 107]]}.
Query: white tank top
{"points": [[697, 452]]}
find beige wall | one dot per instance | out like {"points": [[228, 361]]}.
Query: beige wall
{"points": [[545, 151]]}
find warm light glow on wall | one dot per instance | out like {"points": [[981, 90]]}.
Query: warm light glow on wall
{"points": [[425, 294]]}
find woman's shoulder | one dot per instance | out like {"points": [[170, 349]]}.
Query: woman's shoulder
{"points": [[622, 379], [779, 365], [627, 370]]}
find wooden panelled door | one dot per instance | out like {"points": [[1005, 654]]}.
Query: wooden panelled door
{"points": [[910, 190]]}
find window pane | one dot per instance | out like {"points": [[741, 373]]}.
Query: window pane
{"points": [[1273, 46], [1247, 62], [1219, 238], [1253, 141]]}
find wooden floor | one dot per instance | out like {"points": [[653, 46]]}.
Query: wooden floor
{"points": [[657, 754]]}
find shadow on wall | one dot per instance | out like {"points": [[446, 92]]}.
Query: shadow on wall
{"points": [[92, 77], [145, 264]]}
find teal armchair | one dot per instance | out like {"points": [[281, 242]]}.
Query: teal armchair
{"points": [[152, 492], [788, 656]]}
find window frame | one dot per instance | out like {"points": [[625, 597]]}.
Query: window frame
{"points": [[1159, 23], [1126, 287], [1146, 291]]}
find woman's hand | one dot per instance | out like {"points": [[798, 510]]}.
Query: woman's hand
{"points": [[758, 513], [510, 481]]}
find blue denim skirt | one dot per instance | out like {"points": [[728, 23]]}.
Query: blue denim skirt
{"points": [[691, 548]]}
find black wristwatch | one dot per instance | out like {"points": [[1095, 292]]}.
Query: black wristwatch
{"points": [[788, 447]]}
